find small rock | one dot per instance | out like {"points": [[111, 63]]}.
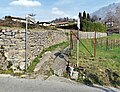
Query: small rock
{"points": [[74, 75], [24, 76]]}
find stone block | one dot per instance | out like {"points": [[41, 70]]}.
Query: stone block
{"points": [[1, 42], [2, 36], [13, 68], [3, 30], [22, 65], [8, 33], [6, 54], [22, 35], [74, 75], [8, 37], [1, 33]]}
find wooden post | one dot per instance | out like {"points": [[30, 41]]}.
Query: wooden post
{"points": [[111, 44], [95, 45], [71, 41], [101, 42], [71, 47], [106, 44], [77, 47]]}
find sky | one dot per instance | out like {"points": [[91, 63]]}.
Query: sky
{"points": [[46, 10]]}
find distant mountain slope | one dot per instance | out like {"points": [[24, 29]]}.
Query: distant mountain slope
{"points": [[103, 11]]}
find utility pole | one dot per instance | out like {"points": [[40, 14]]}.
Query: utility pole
{"points": [[78, 25], [28, 17]]}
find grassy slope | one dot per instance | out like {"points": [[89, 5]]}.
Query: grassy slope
{"points": [[101, 51], [102, 70]]}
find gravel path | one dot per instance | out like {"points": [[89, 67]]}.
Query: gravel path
{"points": [[53, 84]]}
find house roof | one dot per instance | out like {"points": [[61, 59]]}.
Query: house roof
{"points": [[44, 22], [60, 23]]}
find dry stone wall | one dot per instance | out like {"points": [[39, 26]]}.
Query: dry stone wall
{"points": [[12, 45]]}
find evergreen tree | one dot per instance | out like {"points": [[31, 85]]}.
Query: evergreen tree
{"points": [[84, 15], [88, 16], [80, 16]]}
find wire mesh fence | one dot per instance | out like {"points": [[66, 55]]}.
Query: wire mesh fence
{"points": [[107, 44], [95, 47]]}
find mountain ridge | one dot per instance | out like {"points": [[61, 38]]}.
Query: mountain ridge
{"points": [[102, 12]]}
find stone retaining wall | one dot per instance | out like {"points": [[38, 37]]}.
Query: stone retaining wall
{"points": [[12, 45]]}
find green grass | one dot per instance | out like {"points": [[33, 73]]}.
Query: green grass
{"points": [[112, 53], [95, 68], [51, 48], [114, 36], [6, 71], [9, 71]]}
